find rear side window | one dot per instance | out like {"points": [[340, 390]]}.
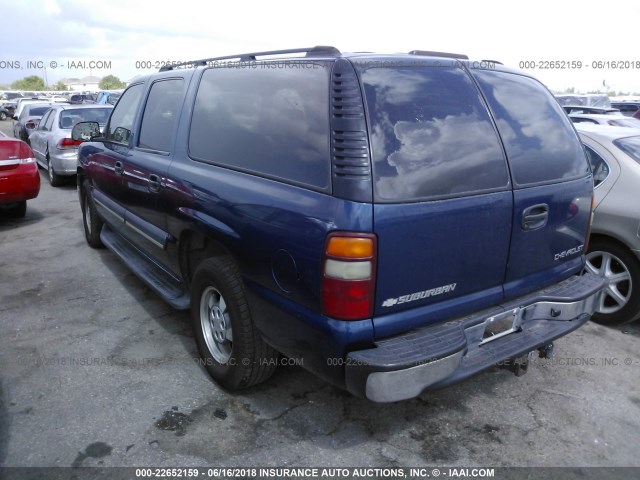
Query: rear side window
{"points": [[431, 135], [630, 146], [541, 144], [43, 121], [599, 167], [160, 115], [269, 121], [123, 116]]}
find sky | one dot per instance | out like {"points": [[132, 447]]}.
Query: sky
{"points": [[73, 38]]}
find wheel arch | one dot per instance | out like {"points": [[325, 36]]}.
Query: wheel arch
{"points": [[195, 247], [603, 237]]}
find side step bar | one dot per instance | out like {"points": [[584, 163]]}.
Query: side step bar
{"points": [[168, 287]]}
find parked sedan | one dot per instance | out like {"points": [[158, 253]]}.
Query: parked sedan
{"points": [[51, 140], [19, 177], [613, 120], [28, 120], [614, 246]]}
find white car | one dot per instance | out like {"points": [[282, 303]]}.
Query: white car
{"points": [[27, 101], [618, 120]]}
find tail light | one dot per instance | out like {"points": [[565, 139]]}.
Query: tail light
{"points": [[348, 281], [67, 143], [26, 154], [31, 124], [22, 156]]}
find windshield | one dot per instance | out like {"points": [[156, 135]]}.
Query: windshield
{"points": [[630, 146], [68, 118]]}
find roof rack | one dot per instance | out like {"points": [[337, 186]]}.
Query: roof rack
{"points": [[428, 53], [318, 50], [492, 61]]}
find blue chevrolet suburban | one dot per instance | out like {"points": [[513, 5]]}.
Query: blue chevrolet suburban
{"points": [[397, 223]]}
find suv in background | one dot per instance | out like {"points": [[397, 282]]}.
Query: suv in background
{"points": [[393, 222]]}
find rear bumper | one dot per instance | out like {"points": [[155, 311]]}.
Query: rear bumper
{"points": [[19, 183], [404, 366], [65, 163]]}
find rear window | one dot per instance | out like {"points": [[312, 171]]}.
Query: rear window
{"points": [[541, 144], [38, 110], [68, 118], [270, 121], [630, 146], [625, 122], [112, 98], [431, 135]]}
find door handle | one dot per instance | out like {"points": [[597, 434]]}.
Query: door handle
{"points": [[118, 168], [154, 183], [535, 217]]}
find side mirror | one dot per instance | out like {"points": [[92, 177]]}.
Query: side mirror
{"points": [[85, 131]]}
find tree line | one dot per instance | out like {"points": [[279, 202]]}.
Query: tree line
{"points": [[35, 83]]}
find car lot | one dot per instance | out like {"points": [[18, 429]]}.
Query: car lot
{"points": [[97, 370]]}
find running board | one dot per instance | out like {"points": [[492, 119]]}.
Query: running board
{"points": [[169, 288]]}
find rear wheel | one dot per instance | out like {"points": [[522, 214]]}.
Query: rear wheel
{"points": [[54, 179], [620, 270], [233, 351], [90, 220]]}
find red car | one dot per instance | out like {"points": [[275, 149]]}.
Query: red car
{"points": [[19, 177]]}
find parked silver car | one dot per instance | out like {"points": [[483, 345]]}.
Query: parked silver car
{"points": [[614, 246], [51, 141]]}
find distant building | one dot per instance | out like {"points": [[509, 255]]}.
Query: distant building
{"points": [[89, 84]]}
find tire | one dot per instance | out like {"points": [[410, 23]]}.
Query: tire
{"points": [[232, 350], [54, 179], [620, 269], [19, 211], [90, 220]]}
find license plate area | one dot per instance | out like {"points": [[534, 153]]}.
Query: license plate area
{"points": [[498, 326]]}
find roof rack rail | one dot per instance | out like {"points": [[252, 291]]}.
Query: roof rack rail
{"points": [[492, 61], [428, 53], [318, 50]]}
